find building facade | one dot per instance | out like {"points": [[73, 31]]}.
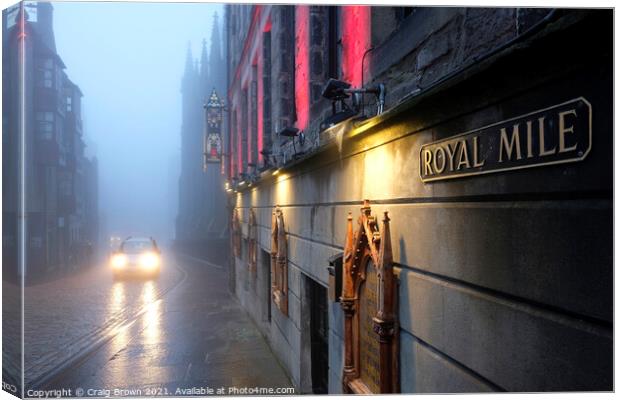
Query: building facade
{"points": [[448, 230], [61, 221]]}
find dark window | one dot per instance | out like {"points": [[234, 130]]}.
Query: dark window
{"points": [[45, 124], [319, 336], [46, 73], [266, 270]]}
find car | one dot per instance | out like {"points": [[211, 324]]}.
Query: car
{"points": [[136, 256]]}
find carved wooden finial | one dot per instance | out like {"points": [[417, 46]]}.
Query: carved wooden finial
{"points": [[385, 249], [349, 236], [366, 208]]}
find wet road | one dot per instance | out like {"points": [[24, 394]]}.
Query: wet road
{"points": [[181, 334]]}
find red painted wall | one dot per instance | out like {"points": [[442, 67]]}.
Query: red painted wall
{"points": [[355, 42], [302, 66]]}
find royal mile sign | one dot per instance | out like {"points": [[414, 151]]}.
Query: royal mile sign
{"points": [[554, 135]]}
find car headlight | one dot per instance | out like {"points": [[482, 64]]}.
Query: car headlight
{"points": [[119, 260], [149, 260]]}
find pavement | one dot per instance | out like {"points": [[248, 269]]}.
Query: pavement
{"points": [[180, 335], [11, 336]]}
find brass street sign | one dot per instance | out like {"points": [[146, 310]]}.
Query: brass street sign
{"points": [[554, 135]]}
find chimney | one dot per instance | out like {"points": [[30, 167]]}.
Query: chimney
{"points": [[45, 24]]}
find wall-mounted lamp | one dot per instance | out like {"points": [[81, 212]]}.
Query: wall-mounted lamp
{"points": [[291, 132], [246, 179], [338, 91], [269, 160]]}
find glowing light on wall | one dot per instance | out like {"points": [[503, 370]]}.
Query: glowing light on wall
{"points": [[355, 41], [267, 27], [379, 163], [302, 67], [283, 190]]}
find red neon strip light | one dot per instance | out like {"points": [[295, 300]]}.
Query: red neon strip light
{"points": [[260, 96], [248, 124], [355, 41], [302, 67], [239, 146]]}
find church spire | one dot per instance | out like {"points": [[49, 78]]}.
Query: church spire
{"points": [[189, 59], [216, 67], [204, 70], [189, 69]]}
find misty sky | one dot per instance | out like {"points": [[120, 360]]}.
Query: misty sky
{"points": [[128, 59]]}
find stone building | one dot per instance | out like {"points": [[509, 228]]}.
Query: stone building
{"points": [[201, 222], [483, 259], [41, 101]]}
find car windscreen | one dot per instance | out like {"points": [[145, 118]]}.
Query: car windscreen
{"points": [[136, 246]]}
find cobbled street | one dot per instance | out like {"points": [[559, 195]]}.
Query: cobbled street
{"points": [[179, 334]]}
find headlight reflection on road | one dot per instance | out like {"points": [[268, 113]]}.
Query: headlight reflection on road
{"points": [[118, 302], [117, 299], [151, 316]]}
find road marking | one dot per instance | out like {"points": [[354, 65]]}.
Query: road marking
{"points": [[189, 367]]}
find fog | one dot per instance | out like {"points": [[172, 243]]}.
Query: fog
{"points": [[128, 60]]}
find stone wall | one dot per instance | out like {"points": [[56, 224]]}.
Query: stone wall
{"points": [[506, 278]]}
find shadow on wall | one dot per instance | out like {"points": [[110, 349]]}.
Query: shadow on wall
{"points": [[403, 251]]}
